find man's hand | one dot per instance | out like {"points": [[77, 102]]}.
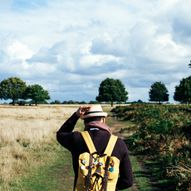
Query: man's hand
{"points": [[81, 110]]}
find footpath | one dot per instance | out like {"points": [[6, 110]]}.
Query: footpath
{"points": [[58, 176], [142, 181], [63, 170]]}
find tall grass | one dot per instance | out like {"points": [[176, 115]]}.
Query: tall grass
{"points": [[27, 135]]}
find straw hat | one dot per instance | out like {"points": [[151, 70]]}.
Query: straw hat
{"points": [[94, 111]]}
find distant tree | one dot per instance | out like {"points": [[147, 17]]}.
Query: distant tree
{"points": [[93, 102], [112, 90], [56, 102], [158, 92], [82, 102], [139, 101], [183, 91], [69, 102], [189, 64], [12, 88], [36, 93], [73, 102]]}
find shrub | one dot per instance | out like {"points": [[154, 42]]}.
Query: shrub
{"points": [[164, 134]]}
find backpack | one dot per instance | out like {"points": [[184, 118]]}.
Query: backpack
{"points": [[97, 172]]}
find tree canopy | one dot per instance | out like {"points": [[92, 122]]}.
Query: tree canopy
{"points": [[183, 91], [112, 90], [158, 92], [12, 88], [36, 93]]}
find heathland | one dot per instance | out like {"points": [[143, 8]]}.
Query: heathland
{"points": [[158, 137]]}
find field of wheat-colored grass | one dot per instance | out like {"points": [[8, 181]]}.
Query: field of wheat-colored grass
{"points": [[25, 131]]}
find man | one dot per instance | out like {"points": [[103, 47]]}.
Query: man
{"points": [[94, 121]]}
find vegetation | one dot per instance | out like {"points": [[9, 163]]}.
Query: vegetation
{"points": [[50, 175], [16, 89], [163, 137], [31, 159], [183, 91], [73, 102], [12, 88], [34, 161], [158, 92], [36, 93], [124, 129], [160, 140], [112, 90], [142, 177]]}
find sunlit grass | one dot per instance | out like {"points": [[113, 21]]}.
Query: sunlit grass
{"points": [[27, 139], [142, 182], [31, 159], [55, 174]]}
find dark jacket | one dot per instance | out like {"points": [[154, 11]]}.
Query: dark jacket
{"points": [[74, 142]]}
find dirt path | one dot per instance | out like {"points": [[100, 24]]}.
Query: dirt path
{"points": [[64, 174], [59, 176], [119, 130], [141, 170]]}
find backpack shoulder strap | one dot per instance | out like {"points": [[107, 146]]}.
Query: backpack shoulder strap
{"points": [[88, 141], [110, 145]]}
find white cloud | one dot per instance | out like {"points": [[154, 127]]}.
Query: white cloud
{"points": [[72, 45], [18, 50]]}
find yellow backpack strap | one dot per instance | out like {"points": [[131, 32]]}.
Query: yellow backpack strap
{"points": [[110, 145], [88, 141]]}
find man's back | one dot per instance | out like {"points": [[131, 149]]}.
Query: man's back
{"points": [[75, 143]]}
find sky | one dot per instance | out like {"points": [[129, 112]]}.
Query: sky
{"points": [[70, 46]]}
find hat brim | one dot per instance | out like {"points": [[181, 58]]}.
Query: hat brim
{"points": [[101, 114]]}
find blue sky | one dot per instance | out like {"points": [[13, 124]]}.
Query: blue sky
{"points": [[70, 46]]}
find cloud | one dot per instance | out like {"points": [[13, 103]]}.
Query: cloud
{"points": [[181, 20], [18, 50], [69, 46]]}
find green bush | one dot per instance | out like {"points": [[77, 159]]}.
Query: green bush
{"points": [[164, 134]]}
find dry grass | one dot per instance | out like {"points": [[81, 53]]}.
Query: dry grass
{"points": [[24, 130]]}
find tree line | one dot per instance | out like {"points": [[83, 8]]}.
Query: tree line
{"points": [[110, 91], [18, 91], [182, 94]]}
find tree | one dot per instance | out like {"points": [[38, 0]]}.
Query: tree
{"points": [[56, 102], [36, 93], [112, 90], [189, 64], [183, 91], [12, 88], [158, 92]]}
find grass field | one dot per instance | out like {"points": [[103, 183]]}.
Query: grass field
{"points": [[31, 159], [27, 140]]}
